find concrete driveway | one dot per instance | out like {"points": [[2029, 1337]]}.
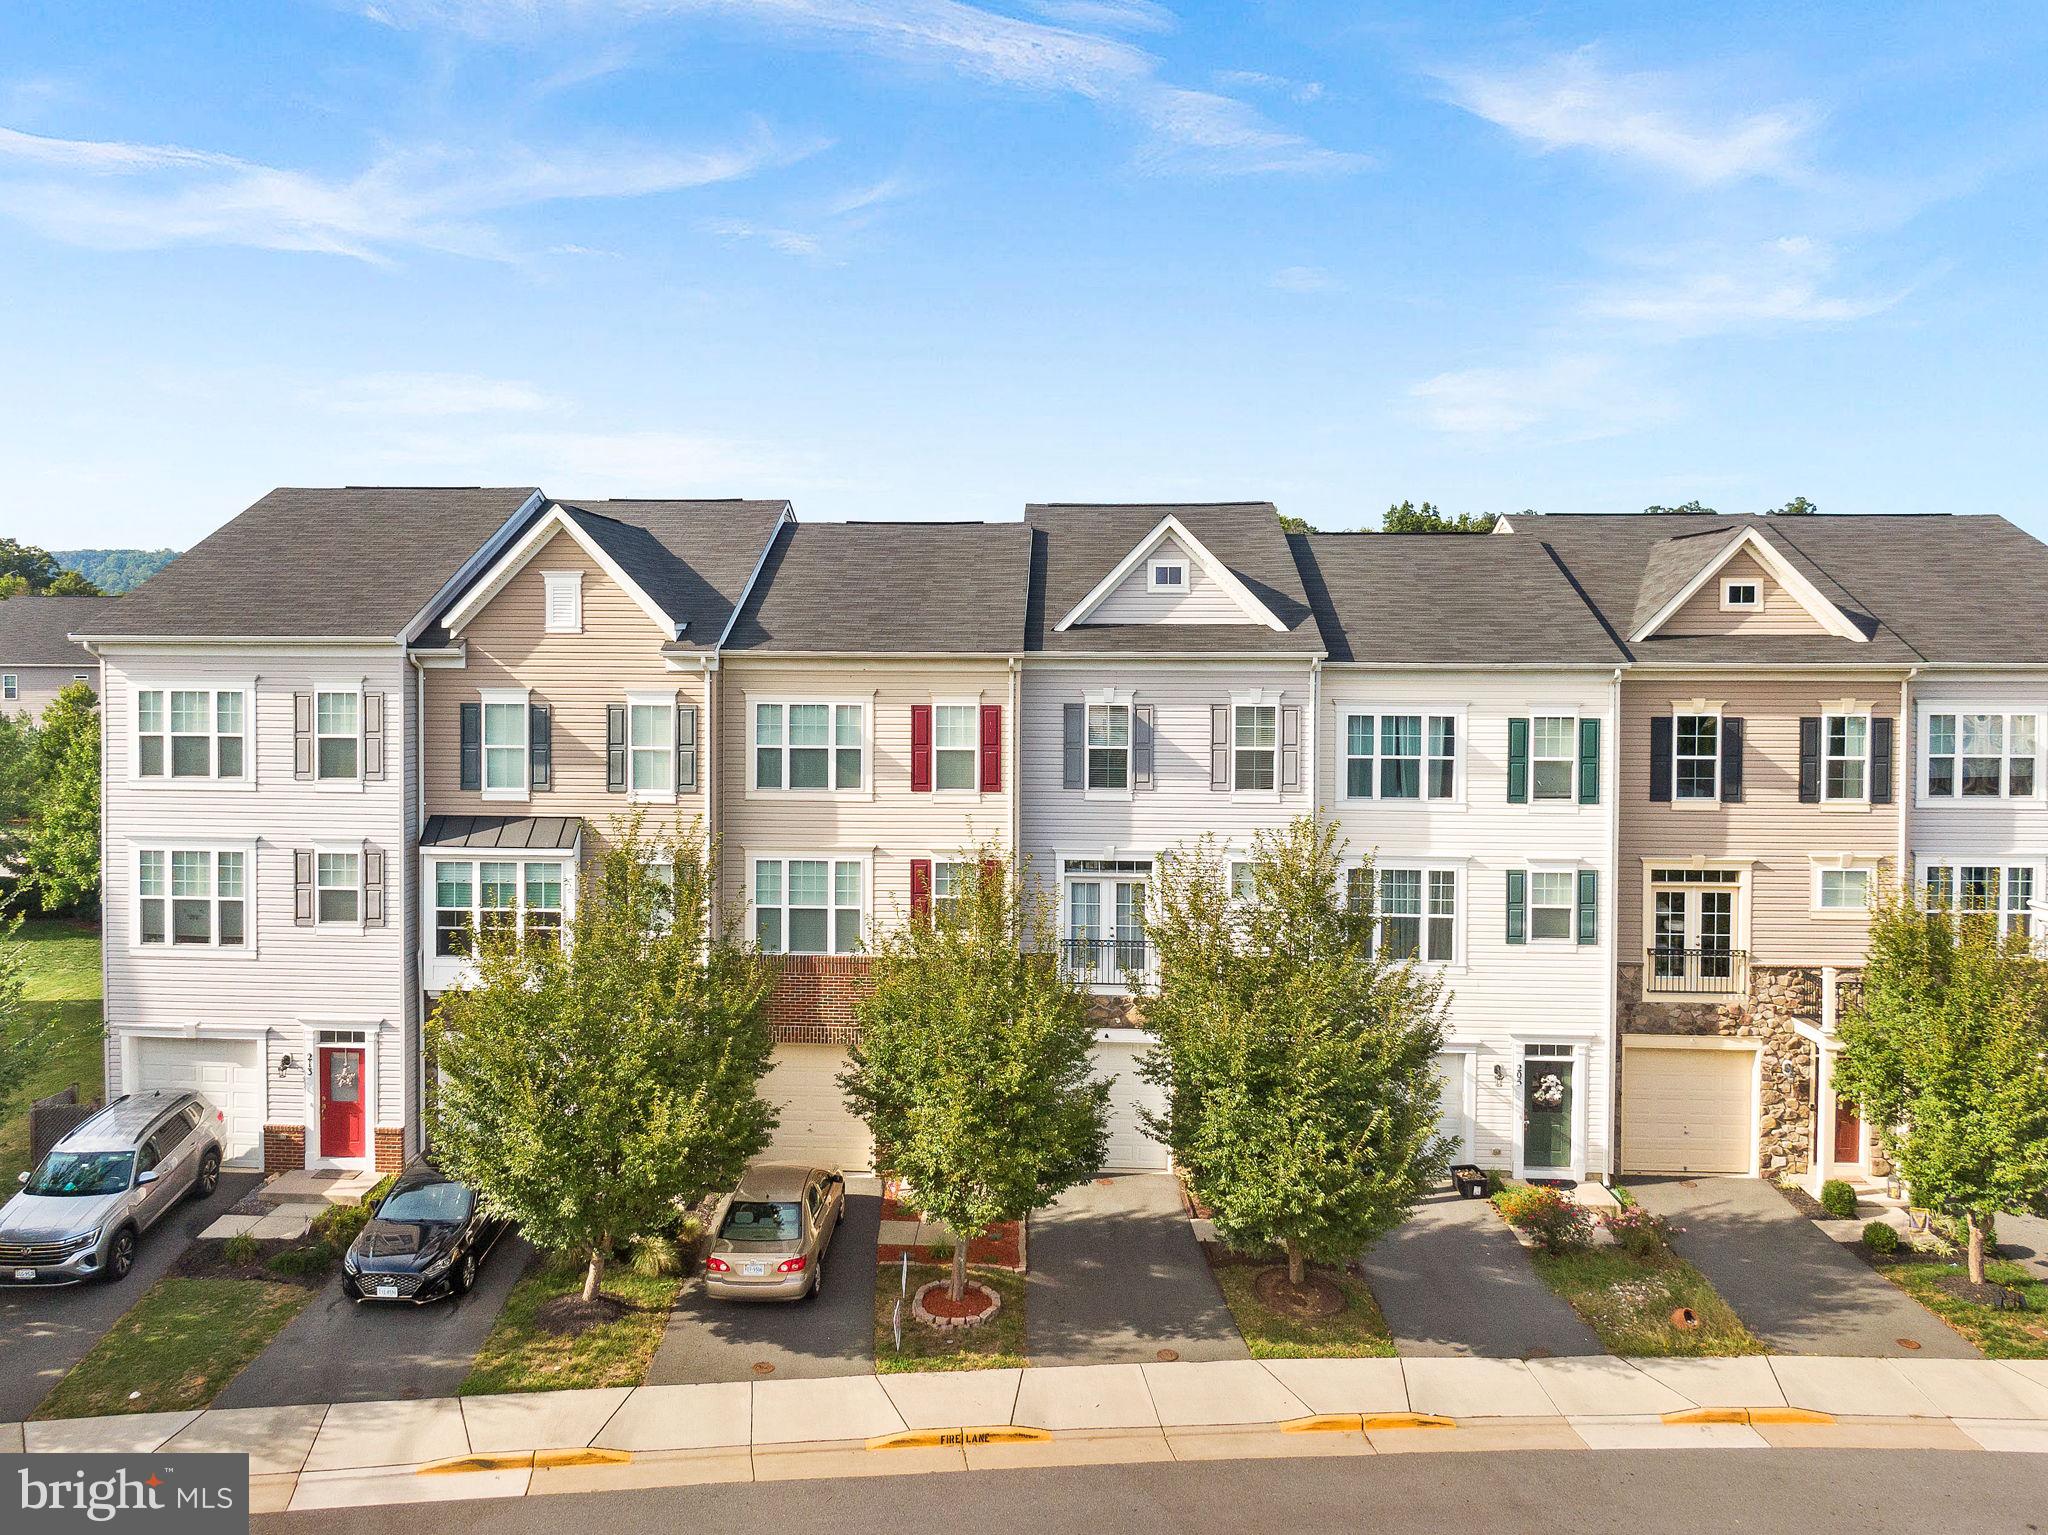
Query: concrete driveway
{"points": [[2024, 1240], [1797, 1289], [1453, 1281], [1117, 1275], [43, 1333], [337, 1350], [833, 1334]]}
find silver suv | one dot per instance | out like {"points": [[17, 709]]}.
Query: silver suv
{"points": [[78, 1216]]}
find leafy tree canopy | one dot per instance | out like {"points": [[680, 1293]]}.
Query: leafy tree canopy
{"points": [[1692, 507], [115, 571], [60, 842], [1798, 506], [1428, 518], [36, 567]]}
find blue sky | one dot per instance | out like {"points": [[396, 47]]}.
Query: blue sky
{"points": [[935, 259]]}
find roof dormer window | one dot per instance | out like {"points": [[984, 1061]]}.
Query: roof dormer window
{"points": [[1167, 575]]}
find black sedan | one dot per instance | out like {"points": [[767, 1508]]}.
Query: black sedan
{"points": [[426, 1241]]}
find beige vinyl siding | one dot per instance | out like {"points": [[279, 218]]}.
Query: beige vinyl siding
{"points": [[1781, 612], [577, 676], [1770, 829], [39, 685], [1204, 602], [883, 820]]}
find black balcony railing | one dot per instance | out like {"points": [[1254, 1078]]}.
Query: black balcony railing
{"points": [[1698, 971], [1105, 961]]}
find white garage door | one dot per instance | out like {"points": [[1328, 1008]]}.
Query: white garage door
{"points": [[228, 1071], [1131, 1150], [803, 1085], [1451, 1068], [1686, 1111]]}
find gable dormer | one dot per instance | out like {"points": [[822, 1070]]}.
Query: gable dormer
{"points": [[558, 578], [1738, 583], [1170, 577]]}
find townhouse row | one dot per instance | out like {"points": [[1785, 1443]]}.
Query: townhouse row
{"points": [[1627, 783]]}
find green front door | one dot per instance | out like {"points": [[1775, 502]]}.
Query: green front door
{"points": [[1546, 1113]]}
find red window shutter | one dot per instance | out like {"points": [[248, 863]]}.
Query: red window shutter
{"points": [[921, 752], [991, 870], [920, 887], [991, 748]]}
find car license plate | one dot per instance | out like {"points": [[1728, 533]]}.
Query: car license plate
{"points": [[753, 1270], [387, 1292], [24, 1273]]}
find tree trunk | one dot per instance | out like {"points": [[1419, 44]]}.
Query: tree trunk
{"points": [[1976, 1247], [1297, 1266], [956, 1287], [593, 1276]]}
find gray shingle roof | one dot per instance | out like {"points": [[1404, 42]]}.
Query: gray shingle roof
{"points": [[1074, 546], [899, 588], [692, 558], [351, 563], [1451, 599], [33, 629]]}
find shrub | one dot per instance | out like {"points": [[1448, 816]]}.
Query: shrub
{"points": [[1637, 1232], [303, 1262], [1623, 1197], [241, 1250], [656, 1257], [1496, 1182], [1838, 1199], [1553, 1222], [1880, 1239]]}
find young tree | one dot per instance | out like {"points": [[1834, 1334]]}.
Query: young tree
{"points": [[1947, 1053], [973, 1067], [588, 1086], [60, 854], [23, 1041], [69, 583], [1295, 1055]]}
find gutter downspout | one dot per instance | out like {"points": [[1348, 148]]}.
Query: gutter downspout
{"points": [[1015, 764], [1905, 778], [107, 949], [414, 873], [1614, 931], [710, 738]]}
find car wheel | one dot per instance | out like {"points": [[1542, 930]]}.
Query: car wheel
{"points": [[465, 1276], [817, 1281], [209, 1175], [120, 1255]]}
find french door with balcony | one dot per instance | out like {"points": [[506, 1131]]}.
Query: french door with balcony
{"points": [[1693, 930], [1104, 938]]}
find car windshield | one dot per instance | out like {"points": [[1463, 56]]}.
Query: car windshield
{"points": [[756, 1220], [80, 1174], [448, 1202]]}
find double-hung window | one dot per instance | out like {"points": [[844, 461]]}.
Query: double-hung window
{"points": [[1845, 759], [1553, 757], [1109, 746], [1417, 756], [2002, 893], [338, 893], [192, 897], [1255, 750], [956, 746], [809, 746], [1981, 756], [337, 735], [1415, 911], [808, 905], [1696, 759], [1552, 904], [504, 744], [190, 733], [948, 881], [515, 900], [652, 750]]}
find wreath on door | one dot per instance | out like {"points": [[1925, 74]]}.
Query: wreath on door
{"points": [[1549, 1093]]}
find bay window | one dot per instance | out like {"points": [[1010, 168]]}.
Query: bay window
{"points": [[522, 901]]}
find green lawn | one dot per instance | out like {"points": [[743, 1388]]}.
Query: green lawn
{"points": [[522, 1355], [997, 1344], [1356, 1332], [176, 1346], [1628, 1302], [63, 993], [2000, 1334]]}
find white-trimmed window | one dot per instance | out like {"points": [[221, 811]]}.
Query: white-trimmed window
{"points": [[1244, 883], [337, 735], [1255, 747], [948, 881], [2002, 891], [651, 748], [809, 905], [1415, 911], [564, 601], [1696, 757], [191, 733], [1109, 746], [1553, 905], [1845, 757], [495, 896], [192, 897], [956, 747], [10, 686], [1167, 573], [1416, 755], [1741, 593], [1981, 756], [1844, 889], [1553, 757], [338, 889], [504, 742], [810, 746]]}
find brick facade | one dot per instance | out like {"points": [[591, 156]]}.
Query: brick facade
{"points": [[284, 1148], [814, 996], [390, 1148]]}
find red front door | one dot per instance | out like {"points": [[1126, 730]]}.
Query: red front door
{"points": [[1848, 1132], [341, 1101]]}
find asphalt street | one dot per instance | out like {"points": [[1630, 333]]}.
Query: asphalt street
{"points": [[1669, 1492]]}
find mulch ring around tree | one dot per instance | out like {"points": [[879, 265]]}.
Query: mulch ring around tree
{"points": [[1314, 1298], [1996, 1296], [935, 1307], [573, 1314]]}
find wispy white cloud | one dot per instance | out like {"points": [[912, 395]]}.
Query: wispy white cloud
{"points": [[1109, 15], [790, 242], [1305, 279], [1782, 282], [1571, 398], [1302, 91], [1574, 101], [401, 395], [127, 196], [1202, 131], [865, 199]]}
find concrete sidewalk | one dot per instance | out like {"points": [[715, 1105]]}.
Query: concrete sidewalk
{"points": [[379, 1453]]}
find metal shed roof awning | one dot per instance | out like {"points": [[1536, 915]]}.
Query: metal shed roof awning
{"points": [[510, 833]]}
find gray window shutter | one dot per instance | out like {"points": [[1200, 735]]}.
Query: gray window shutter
{"points": [[373, 887], [1589, 906], [540, 745], [1219, 747], [615, 748], [686, 748], [1290, 748], [1589, 762], [1880, 760], [373, 736], [1141, 746], [302, 736], [1809, 760], [1074, 746], [302, 887], [472, 746], [1518, 765], [1518, 906], [1661, 750], [1731, 761]]}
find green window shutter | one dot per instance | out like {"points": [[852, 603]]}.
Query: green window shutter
{"points": [[1589, 762], [1518, 765], [1589, 906], [1518, 906]]}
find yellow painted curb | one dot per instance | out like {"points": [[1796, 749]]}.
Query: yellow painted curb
{"points": [[942, 1438], [1789, 1415], [544, 1460], [1325, 1423], [458, 1463], [1708, 1415], [1748, 1415], [1379, 1420]]}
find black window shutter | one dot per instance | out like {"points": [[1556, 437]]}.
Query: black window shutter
{"points": [[1731, 760], [1141, 746], [1880, 760], [472, 746], [540, 736], [1073, 746], [615, 748], [1809, 760], [1660, 759]]}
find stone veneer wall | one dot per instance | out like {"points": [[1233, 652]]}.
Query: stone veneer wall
{"points": [[1778, 996]]}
